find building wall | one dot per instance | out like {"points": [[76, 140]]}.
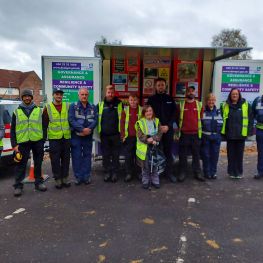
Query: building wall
{"points": [[34, 83]]}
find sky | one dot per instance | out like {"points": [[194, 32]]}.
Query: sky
{"points": [[32, 28]]}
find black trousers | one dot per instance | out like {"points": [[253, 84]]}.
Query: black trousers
{"points": [[20, 170], [167, 143], [189, 142], [110, 146], [130, 154], [235, 153], [60, 157]]}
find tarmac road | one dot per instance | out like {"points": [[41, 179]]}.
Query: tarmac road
{"points": [[215, 221]]}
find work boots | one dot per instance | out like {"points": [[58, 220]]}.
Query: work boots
{"points": [[41, 187]]}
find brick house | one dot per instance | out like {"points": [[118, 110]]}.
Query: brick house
{"points": [[12, 82]]}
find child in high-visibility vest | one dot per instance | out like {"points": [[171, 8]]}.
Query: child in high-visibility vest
{"points": [[148, 135], [130, 115]]}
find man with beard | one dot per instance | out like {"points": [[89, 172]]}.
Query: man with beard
{"points": [[190, 132], [110, 110], [164, 108], [26, 135], [55, 117]]}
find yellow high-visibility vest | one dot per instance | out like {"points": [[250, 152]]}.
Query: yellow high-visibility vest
{"points": [[58, 126], [29, 128], [141, 148], [244, 108], [127, 118], [199, 107], [101, 106]]}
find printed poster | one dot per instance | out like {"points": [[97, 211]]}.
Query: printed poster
{"points": [[70, 76]]}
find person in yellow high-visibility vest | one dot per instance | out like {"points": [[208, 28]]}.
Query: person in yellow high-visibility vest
{"points": [[190, 132], [27, 134], [149, 134], [110, 110], [129, 117], [237, 125], [55, 116]]}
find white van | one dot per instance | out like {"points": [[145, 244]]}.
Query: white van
{"points": [[9, 105]]}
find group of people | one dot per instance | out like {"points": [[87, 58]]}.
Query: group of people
{"points": [[135, 131]]}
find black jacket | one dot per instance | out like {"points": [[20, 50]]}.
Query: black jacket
{"points": [[109, 118], [164, 108], [234, 121], [13, 127]]}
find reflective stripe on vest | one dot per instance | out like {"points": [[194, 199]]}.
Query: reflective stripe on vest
{"points": [[29, 128], [119, 110], [127, 118], [259, 109], [58, 126], [244, 118], [199, 107], [141, 148]]}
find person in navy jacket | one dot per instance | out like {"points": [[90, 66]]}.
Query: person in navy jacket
{"points": [[211, 137], [257, 109], [83, 119]]}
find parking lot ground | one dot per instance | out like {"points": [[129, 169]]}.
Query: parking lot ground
{"points": [[216, 221]]}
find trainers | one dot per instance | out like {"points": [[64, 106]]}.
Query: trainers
{"points": [[107, 177], [18, 192], [214, 176], [172, 178], [199, 177], [145, 186], [156, 186], [65, 182], [239, 176], [88, 181], [257, 176], [58, 184], [128, 178], [114, 178], [181, 177], [41, 187], [78, 182]]}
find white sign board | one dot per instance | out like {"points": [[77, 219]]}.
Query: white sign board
{"points": [[246, 75]]}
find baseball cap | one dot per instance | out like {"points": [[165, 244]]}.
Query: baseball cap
{"points": [[55, 90]]}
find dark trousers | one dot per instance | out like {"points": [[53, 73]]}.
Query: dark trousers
{"points": [[210, 153], [167, 143], [259, 138], [110, 146], [60, 157], [38, 153], [130, 154], [189, 142], [235, 153]]}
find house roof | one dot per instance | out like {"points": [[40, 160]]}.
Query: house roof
{"points": [[13, 78]]}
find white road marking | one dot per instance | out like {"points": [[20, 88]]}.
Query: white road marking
{"points": [[20, 210], [182, 249], [9, 216], [191, 200]]}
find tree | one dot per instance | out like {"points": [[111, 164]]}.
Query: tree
{"points": [[104, 40], [232, 38]]}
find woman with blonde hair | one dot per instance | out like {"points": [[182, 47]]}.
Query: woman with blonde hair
{"points": [[211, 137]]}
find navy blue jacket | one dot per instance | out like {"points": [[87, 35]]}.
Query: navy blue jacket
{"points": [[80, 117], [257, 109], [212, 122]]}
